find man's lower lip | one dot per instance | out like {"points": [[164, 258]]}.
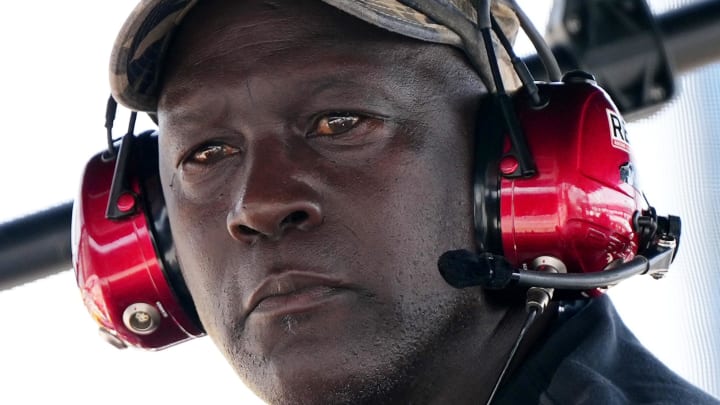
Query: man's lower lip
{"points": [[300, 301]]}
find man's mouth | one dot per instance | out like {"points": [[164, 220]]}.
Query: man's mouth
{"points": [[292, 292]]}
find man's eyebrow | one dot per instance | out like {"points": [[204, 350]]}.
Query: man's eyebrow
{"points": [[186, 117], [331, 82], [182, 111], [336, 82]]}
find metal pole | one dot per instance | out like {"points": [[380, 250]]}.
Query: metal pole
{"points": [[691, 35], [35, 246]]}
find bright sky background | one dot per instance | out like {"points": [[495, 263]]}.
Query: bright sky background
{"points": [[54, 88]]}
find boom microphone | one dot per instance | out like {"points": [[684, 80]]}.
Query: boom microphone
{"points": [[461, 268]]}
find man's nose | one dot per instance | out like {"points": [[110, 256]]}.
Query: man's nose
{"points": [[277, 197]]}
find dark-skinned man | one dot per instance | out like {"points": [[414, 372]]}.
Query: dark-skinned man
{"points": [[316, 161]]}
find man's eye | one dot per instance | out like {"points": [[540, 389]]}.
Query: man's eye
{"points": [[335, 124], [211, 153]]}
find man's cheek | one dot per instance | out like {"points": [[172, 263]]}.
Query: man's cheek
{"points": [[203, 276], [197, 237]]}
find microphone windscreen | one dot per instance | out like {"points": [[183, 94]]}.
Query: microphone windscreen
{"points": [[462, 268]]}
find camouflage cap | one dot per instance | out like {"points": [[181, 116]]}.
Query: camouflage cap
{"points": [[137, 57]]}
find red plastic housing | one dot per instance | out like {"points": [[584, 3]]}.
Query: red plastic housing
{"points": [[117, 265], [579, 207]]}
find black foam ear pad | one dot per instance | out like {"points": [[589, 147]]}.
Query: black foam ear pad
{"points": [[157, 216], [489, 139]]}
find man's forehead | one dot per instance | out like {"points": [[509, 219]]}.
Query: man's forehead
{"points": [[140, 49], [255, 31], [342, 75]]}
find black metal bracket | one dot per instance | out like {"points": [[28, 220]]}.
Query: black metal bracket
{"points": [[620, 43]]}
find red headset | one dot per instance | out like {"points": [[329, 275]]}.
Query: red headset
{"points": [[123, 253], [555, 191], [582, 212]]}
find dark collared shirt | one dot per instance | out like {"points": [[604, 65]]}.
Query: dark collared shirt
{"points": [[591, 357]]}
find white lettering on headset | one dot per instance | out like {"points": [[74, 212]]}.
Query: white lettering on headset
{"points": [[618, 131]]}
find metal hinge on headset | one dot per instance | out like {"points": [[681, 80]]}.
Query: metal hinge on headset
{"points": [[656, 234], [122, 201]]}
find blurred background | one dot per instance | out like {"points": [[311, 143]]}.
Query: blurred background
{"points": [[52, 106]]}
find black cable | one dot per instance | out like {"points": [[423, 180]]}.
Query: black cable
{"points": [[519, 65], [482, 8], [131, 124], [529, 320], [544, 52], [536, 302], [492, 60], [110, 112], [527, 167]]}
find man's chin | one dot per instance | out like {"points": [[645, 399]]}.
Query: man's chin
{"points": [[312, 379], [331, 334], [334, 365]]}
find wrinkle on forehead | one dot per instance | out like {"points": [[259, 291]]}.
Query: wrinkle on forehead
{"points": [[234, 40], [244, 26]]}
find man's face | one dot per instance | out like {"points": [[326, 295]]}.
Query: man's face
{"points": [[315, 168]]}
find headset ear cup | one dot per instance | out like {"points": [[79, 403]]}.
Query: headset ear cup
{"points": [[488, 145], [125, 267], [579, 207]]}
